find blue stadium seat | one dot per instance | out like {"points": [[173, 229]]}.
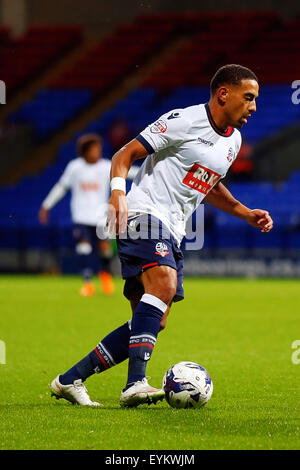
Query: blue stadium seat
{"points": [[19, 205], [51, 109]]}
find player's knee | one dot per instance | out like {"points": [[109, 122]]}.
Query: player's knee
{"points": [[168, 292], [165, 290], [162, 282]]}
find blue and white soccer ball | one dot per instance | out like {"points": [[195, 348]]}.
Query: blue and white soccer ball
{"points": [[187, 385]]}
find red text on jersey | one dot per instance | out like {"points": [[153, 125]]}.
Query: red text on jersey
{"points": [[200, 178], [89, 186]]}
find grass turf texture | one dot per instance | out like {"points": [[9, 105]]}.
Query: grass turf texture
{"points": [[240, 330]]}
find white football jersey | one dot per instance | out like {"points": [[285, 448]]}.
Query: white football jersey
{"points": [[90, 188], [188, 155]]}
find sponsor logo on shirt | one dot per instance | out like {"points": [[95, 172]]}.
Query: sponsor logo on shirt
{"points": [[201, 178], [161, 249], [205, 142], [159, 127], [89, 186], [174, 116]]}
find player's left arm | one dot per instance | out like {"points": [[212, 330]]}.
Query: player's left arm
{"points": [[221, 198]]}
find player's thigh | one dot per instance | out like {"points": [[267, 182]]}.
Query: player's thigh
{"points": [[160, 281]]}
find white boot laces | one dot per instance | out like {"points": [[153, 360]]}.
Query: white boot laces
{"points": [[81, 389]]}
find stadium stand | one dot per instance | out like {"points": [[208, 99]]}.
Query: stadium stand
{"points": [[115, 56], [138, 108], [101, 68], [20, 230], [23, 58], [218, 38], [50, 109], [182, 80]]}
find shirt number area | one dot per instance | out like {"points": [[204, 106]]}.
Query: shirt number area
{"points": [[200, 178]]}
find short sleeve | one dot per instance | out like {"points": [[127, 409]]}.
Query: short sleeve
{"points": [[167, 131], [238, 142]]}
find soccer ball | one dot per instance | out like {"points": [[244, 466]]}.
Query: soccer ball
{"points": [[187, 385]]}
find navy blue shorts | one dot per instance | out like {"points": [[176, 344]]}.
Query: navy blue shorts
{"points": [[85, 232], [146, 244]]}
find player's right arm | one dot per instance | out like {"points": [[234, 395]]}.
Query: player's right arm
{"points": [[121, 163], [168, 130], [56, 194]]}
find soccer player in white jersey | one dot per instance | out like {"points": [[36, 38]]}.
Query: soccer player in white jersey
{"points": [[88, 179], [187, 153]]}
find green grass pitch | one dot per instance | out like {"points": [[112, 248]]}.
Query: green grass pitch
{"points": [[240, 330]]}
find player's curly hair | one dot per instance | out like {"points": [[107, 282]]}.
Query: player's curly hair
{"points": [[85, 141], [230, 74]]}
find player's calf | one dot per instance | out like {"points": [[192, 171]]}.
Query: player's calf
{"points": [[145, 326]]}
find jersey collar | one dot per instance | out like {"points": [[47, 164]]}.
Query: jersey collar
{"points": [[219, 131]]}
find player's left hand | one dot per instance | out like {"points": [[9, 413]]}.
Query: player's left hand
{"points": [[260, 218]]}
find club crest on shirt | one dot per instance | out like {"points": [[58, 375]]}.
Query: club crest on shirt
{"points": [[201, 178], [159, 127], [161, 249], [231, 155]]}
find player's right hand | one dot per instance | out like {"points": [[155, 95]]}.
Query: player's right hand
{"points": [[43, 216], [117, 214]]}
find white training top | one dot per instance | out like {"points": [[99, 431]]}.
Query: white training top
{"points": [[90, 187], [188, 155]]}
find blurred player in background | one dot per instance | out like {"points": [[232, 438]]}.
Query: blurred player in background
{"points": [[87, 177], [188, 152]]}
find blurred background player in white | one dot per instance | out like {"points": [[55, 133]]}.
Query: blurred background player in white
{"points": [[88, 178]]}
